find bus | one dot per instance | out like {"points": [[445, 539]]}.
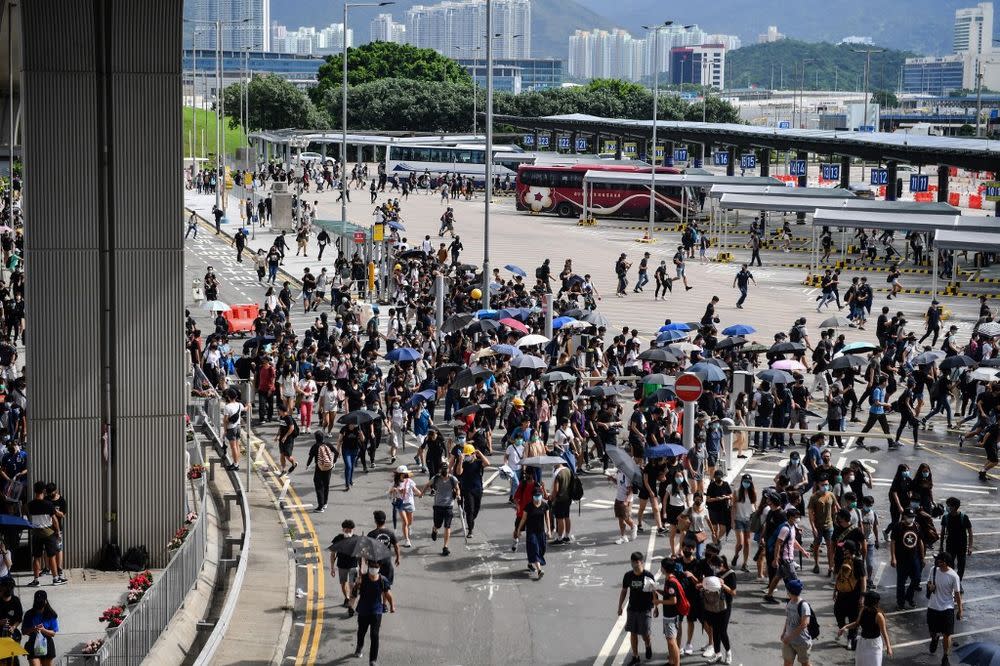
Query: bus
{"points": [[467, 160], [559, 189]]}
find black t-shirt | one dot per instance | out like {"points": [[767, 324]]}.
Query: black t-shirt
{"points": [[286, 429], [638, 600], [355, 398], [389, 540], [955, 527], [718, 490], [906, 539], [11, 611], [670, 587], [535, 523], [344, 561]]}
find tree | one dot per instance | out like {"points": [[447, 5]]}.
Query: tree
{"points": [[403, 104], [386, 60], [275, 103], [885, 99], [966, 130]]}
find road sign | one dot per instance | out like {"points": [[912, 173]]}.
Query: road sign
{"points": [[564, 143], [919, 182], [721, 158], [784, 124], [866, 128], [748, 161], [359, 237], [528, 139], [681, 155], [629, 148], [581, 144], [992, 190], [796, 167], [610, 146], [688, 387], [659, 152], [879, 177], [543, 141], [830, 171]]}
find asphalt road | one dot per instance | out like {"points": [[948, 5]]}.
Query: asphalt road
{"points": [[479, 606]]}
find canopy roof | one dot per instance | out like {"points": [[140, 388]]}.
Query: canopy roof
{"points": [[947, 239], [695, 180], [921, 222], [792, 204], [781, 191]]}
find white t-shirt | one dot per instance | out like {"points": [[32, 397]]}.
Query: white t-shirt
{"points": [[308, 388], [228, 410], [623, 487], [946, 583], [514, 455]]}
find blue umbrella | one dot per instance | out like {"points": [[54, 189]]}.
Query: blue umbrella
{"points": [[675, 326], [739, 329], [520, 314], [507, 350], [488, 314], [404, 354], [7, 520], [516, 270], [708, 372], [665, 451], [671, 336], [979, 653], [559, 322], [393, 224]]}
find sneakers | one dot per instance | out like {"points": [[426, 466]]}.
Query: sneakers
{"points": [[292, 468], [729, 657], [59, 580], [816, 568], [622, 539], [688, 649], [934, 644], [768, 599], [33, 583], [445, 552], [709, 653], [434, 534], [358, 654], [649, 651], [635, 532]]}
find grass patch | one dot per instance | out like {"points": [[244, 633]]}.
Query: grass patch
{"points": [[234, 138]]}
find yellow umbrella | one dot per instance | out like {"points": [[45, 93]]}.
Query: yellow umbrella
{"points": [[11, 648]]}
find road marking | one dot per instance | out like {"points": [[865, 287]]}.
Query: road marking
{"points": [[878, 574], [964, 602], [921, 641], [967, 577]]}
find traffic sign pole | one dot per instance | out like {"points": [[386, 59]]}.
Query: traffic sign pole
{"points": [[688, 389]]}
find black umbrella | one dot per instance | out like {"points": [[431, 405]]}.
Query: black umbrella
{"points": [[359, 417], [734, 341], [457, 322], [467, 267], [412, 254], [957, 361], [606, 390], [257, 342], [664, 394], [469, 376], [717, 362], [594, 318], [991, 362], [361, 547], [775, 376], [575, 313], [442, 371], [787, 348], [848, 361], [471, 409], [658, 355], [484, 326]]}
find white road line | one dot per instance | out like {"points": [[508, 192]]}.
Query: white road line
{"points": [[967, 577], [964, 602], [897, 646], [616, 631]]}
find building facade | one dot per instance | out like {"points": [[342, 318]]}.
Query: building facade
{"points": [[246, 24], [383, 29], [198, 67], [458, 28], [974, 29], [534, 73], [309, 40], [703, 65], [772, 35], [936, 75]]}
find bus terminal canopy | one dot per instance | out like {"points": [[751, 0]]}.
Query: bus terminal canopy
{"points": [[692, 180], [947, 239], [918, 222], [791, 204], [781, 191]]}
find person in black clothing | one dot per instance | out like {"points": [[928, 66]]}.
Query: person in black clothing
{"points": [[933, 323], [218, 215], [638, 585], [533, 524], [907, 416], [281, 244], [643, 278], [956, 534], [241, 242], [469, 470], [850, 584], [742, 282], [321, 477], [663, 281], [708, 319], [388, 538], [322, 239], [906, 549], [287, 432], [372, 592]]}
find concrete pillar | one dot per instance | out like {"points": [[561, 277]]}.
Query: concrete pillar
{"points": [[668, 153], [553, 141], [534, 139], [699, 161], [619, 147], [731, 165], [107, 405], [890, 188], [765, 162], [597, 144], [572, 142], [800, 218], [942, 174], [845, 171]]}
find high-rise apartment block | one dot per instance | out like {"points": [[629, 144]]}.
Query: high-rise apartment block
{"points": [[309, 40], [383, 29], [974, 29], [458, 29], [246, 24]]}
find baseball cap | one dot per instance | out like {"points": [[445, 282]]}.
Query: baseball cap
{"points": [[909, 513], [794, 586]]}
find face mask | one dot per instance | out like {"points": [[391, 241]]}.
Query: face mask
{"points": [[826, 487], [854, 505], [746, 484], [906, 474], [867, 509], [794, 461], [848, 479], [679, 479], [697, 502], [537, 499], [925, 474]]}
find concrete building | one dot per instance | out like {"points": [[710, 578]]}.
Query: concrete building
{"points": [[701, 65], [668, 37], [974, 29], [299, 69], [383, 29], [456, 28], [307, 40], [934, 75], [606, 54], [246, 24], [772, 35], [534, 73]]}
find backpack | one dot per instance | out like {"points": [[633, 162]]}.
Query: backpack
{"points": [[234, 418], [813, 628], [111, 557], [772, 540], [683, 606], [795, 335], [755, 520], [575, 488], [714, 603], [766, 405], [136, 559], [324, 460], [846, 580]]}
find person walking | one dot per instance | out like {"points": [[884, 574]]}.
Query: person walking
{"points": [[718, 591], [323, 455], [671, 597], [638, 585], [944, 606], [40, 625], [956, 534], [663, 282], [444, 486], [348, 447], [402, 494], [344, 567], [755, 245], [469, 470], [643, 278], [679, 267], [532, 523], [742, 282], [387, 538], [933, 323], [876, 413], [232, 417], [906, 552], [373, 592], [192, 225], [621, 270], [796, 643], [288, 430], [874, 633]]}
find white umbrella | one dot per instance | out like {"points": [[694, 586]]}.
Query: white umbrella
{"points": [[532, 340], [683, 347], [215, 306], [483, 353], [577, 324], [990, 329], [984, 374]]}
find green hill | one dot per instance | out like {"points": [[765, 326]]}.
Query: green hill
{"points": [[827, 66]]}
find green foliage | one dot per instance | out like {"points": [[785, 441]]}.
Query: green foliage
{"points": [[885, 99], [385, 60], [275, 103], [966, 130], [235, 137], [827, 66]]}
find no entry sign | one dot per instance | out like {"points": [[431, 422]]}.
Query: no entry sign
{"points": [[688, 387], [359, 237]]}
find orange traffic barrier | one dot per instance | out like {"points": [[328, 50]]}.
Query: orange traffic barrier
{"points": [[954, 198], [241, 317], [975, 201]]}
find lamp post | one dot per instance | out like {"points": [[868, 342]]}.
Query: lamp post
{"points": [[648, 237], [868, 61], [802, 92], [343, 106], [475, 83], [488, 166]]}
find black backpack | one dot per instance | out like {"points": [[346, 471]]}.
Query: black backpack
{"points": [[813, 628], [136, 559], [795, 335], [766, 405], [111, 557], [575, 488]]}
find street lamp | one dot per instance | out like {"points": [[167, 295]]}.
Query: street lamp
{"points": [[802, 92], [475, 83], [648, 238], [343, 106], [868, 61]]}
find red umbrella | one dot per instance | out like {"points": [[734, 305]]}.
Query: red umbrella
{"points": [[514, 324]]}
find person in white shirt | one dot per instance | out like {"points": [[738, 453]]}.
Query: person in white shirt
{"points": [[512, 459], [427, 246], [397, 425], [627, 529], [944, 605]]}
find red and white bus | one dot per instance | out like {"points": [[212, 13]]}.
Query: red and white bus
{"points": [[559, 190]]}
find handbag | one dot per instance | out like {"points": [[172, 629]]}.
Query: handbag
{"points": [[700, 537], [13, 490]]}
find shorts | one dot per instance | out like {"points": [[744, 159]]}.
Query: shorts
{"points": [[621, 510], [712, 459], [406, 506], [643, 493], [789, 652], [673, 513], [47, 546], [824, 535], [787, 569], [443, 516], [941, 621], [671, 626], [560, 509], [232, 434], [680, 271], [348, 576], [741, 525], [991, 451], [639, 622], [285, 447]]}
